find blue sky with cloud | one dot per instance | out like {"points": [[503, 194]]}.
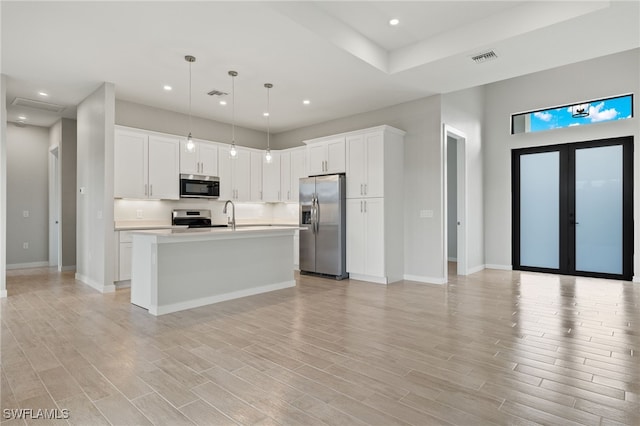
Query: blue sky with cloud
{"points": [[599, 111]]}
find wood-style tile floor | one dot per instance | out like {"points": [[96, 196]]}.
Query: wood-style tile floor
{"points": [[495, 347]]}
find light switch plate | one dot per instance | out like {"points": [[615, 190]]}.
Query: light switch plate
{"points": [[25, 213]]}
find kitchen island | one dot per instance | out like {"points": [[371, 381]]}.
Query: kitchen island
{"points": [[178, 269]]}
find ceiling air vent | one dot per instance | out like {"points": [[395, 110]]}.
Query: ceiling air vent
{"points": [[45, 106], [215, 92], [484, 57]]}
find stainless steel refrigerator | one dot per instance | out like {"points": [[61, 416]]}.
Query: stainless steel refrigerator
{"points": [[323, 214]]}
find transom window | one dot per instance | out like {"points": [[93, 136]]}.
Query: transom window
{"points": [[580, 114]]}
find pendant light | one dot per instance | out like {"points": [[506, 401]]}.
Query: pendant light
{"points": [[233, 153], [190, 145], [267, 155]]}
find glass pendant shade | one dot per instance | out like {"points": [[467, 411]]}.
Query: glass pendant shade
{"points": [[190, 145]]}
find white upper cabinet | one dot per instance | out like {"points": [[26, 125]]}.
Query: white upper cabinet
{"points": [[365, 165], [234, 174], [130, 164], [326, 156], [255, 191], [293, 166], [203, 160], [146, 166], [271, 189], [164, 168]]}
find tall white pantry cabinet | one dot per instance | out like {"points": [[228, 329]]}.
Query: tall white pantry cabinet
{"points": [[375, 218]]}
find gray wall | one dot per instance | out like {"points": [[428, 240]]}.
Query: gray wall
{"points": [[597, 78], [424, 257], [3, 183], [452, 199], [68, 170], [95, 237], [27, 190], [149, 118]]}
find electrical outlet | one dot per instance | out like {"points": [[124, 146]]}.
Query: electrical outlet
{"points": [[139, 214], [25, 213], [425, 214], [25, 246]]}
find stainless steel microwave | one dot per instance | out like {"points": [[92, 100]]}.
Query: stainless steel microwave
{"points": [[198, 186]]}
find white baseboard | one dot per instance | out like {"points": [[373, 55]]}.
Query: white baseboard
{"points": [[368, 278], [28, 265], [500, 267], [475, 269], [3, 294], [68, 268], [123, 284], [196, 303], [101, 288], [426, 280], [452, 259], [636, 278]]}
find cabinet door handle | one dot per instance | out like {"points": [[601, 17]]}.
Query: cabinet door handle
{"points": [[278, 195], [289, 195], [360, 189], [360, 206], [150, 190], [365, 206], [146, 192], [365, 189], [261, 195]]}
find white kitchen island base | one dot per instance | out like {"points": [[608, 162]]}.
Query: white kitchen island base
{"points": [[174, 270]]}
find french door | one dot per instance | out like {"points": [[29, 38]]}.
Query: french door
{"points": [[573, 208]]}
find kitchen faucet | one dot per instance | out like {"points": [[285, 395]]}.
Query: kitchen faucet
{"points": [[233, 214]]}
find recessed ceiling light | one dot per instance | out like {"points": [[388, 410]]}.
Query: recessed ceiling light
{"points": [[43, 94], [306, 102], [393, 22], [22, 117], [167, 87], [223, 102], [266, 114]]}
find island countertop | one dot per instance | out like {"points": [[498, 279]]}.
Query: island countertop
{"points": [[205, 234]]}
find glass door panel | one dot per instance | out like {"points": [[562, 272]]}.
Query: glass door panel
{"points": [[539, 210], [598, 209]]}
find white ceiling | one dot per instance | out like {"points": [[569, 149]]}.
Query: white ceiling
{"points": [[343, 56]]}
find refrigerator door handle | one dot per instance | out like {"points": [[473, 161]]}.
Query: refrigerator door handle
{"points": [[317, 221]]}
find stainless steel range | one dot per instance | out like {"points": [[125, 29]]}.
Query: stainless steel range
{"points": [[193, 218]]}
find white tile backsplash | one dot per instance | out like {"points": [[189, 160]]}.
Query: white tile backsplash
{"points": [[159, 211]]}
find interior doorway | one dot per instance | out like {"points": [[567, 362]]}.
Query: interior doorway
{"points": [[573, 208], [455, 205], [55, 252]]}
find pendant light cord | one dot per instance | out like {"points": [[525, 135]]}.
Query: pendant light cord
{"points": [[233, 109], [268, 120], [190, 97]]}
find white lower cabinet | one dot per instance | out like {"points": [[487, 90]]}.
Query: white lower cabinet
{"points": [[124, 246], [365, 239]]}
